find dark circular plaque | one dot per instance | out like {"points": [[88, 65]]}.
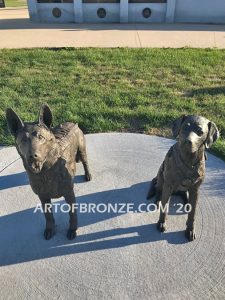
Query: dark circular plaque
{"points": [[146, 13], [101, 12], [56, 12]]}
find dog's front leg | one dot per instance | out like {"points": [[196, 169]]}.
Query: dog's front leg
{"points": [[50, 222], [71, 201], [193, 199], [166, 193]]}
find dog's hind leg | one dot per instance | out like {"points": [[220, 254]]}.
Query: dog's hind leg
{"points": [[152, 189], [82, 155]]}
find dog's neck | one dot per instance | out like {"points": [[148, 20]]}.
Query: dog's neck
{"points": [[192, 159], [53, 156]]}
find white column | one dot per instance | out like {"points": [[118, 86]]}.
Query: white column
{"points": [[78, 11], [123, 11], [33, 11], [170, 11]]}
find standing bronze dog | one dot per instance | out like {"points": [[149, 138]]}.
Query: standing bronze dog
{"points": [[183, 169], [49, 156]]}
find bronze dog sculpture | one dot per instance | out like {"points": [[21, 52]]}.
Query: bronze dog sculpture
{"points": [[49, 156], [183, 169]]}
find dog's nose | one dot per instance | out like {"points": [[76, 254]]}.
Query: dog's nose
{"points": [[34, 156]]}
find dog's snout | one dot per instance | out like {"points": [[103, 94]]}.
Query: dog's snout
{"points": [[34, 156]]}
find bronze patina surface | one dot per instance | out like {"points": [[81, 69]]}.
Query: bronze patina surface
{"points": [[49, 156], [183, 168]]}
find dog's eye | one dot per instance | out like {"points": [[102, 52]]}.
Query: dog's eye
{"points": [[199, 132], [187, 126]]}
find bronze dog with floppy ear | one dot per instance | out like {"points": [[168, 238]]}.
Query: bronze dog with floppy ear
{"points": [[183, 169], [49, 156]]}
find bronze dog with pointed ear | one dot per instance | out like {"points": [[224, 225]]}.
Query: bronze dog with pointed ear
{"points": [[183, 169], [49, 156]]}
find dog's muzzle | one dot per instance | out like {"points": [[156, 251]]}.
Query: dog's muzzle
{"points": [[190, 145], [36, 166]]}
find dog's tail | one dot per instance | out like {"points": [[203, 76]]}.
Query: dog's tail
{"points": [[152, 189]]}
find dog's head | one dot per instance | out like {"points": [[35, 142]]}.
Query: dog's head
{"points": [[195, 131], [34, 140]]}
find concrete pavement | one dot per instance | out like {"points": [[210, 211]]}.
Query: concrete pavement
{"points": [[116, 255], [18, 32]]}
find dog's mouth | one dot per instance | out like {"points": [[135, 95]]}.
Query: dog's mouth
{"points": [[36, 166]]}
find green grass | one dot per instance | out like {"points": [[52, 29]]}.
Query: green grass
{"points": [[15, 3], [138, 90]]}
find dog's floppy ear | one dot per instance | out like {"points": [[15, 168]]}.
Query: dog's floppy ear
{"points": [[13, 121], [45, 116], [177, 125], [213, 135]]}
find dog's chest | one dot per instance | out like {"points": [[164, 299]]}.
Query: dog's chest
{"points": [[181, 176], [55, 182], [189, 179]]}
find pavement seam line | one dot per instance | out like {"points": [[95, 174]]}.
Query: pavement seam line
{"points": [[139, 38], [9, 164]]}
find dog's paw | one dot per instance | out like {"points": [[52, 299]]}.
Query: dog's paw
{"points": [[88, 177], [48, 233], [71, 234], [161, 226], [190, 234]]}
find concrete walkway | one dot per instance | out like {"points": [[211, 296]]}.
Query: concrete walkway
{"points": [[17, 31], [116, 255]]}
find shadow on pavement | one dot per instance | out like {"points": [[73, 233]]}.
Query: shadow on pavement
{"points": [[21, 179], [22, 238]]}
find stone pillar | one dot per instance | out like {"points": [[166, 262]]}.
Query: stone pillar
{"points": [[78, 11], [33, 11], [170, 11], [123, 11], [2, 3]]}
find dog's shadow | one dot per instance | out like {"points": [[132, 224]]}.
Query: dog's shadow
{"points": [[22, 239]]}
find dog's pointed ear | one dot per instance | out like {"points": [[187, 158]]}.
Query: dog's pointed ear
{"points": [[213, 135], [45, 116], [177, 125], [13, 121]]}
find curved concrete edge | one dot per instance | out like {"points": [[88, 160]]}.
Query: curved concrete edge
{"points": [[9, 154]]}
